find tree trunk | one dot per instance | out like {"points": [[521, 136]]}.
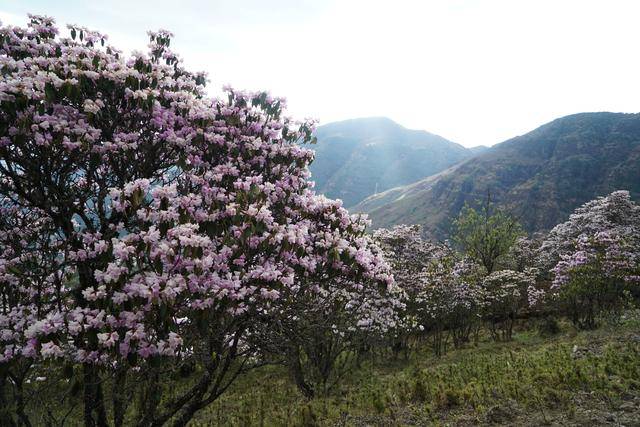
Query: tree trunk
{"points": [[120, 401], [94, 411], [298, 375], [6, 418]]}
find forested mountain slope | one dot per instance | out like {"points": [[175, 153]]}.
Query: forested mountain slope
{"points": [[540, 177]]}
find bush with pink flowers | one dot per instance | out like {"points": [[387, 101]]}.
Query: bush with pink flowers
{"points": [[157, 225], [594, 258]]}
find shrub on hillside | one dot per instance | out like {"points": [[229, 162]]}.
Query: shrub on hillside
{"points": [[486, 235], [449, 302], [145, 227], [410, 256], [595, 259], [504, 295], [319, 335]]}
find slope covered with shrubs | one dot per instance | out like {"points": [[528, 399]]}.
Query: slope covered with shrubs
{"points": [[162, 254]]}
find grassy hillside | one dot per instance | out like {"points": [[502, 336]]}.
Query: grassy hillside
{"points": [[540, 177], [356, 158], [586, 378]]}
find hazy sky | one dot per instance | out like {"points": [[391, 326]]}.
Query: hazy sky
{"points": [[476, 72]]}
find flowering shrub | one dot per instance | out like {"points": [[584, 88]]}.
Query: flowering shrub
{"points": [[597, 278], [615, 211], [504, 294], [525, 252], [409, 256], [596, 259], [319, 336], [408, 253], [442, 290], [161, 224], [449, 301]]}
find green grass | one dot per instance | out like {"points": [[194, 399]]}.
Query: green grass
{"points": [[531, 377], [573, 378]]}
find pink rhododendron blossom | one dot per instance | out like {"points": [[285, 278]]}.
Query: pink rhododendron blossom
{"points": [[129, 199]]}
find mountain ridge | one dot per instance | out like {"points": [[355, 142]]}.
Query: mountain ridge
{"points": [[359, 157], [540, 176]]}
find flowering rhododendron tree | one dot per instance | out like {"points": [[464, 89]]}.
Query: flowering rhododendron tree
{"points": [[410, 256], [597, 259], [319, 335], [28, 282], [525, 252], [408, 253], [442, 288], [158, 225], [596, 278], [504, 294], [525, 257], [615, 212], [448, 303]]}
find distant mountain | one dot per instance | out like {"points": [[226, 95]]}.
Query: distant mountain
{"points": [[360, 157], [540, 177], [478, 149]]}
